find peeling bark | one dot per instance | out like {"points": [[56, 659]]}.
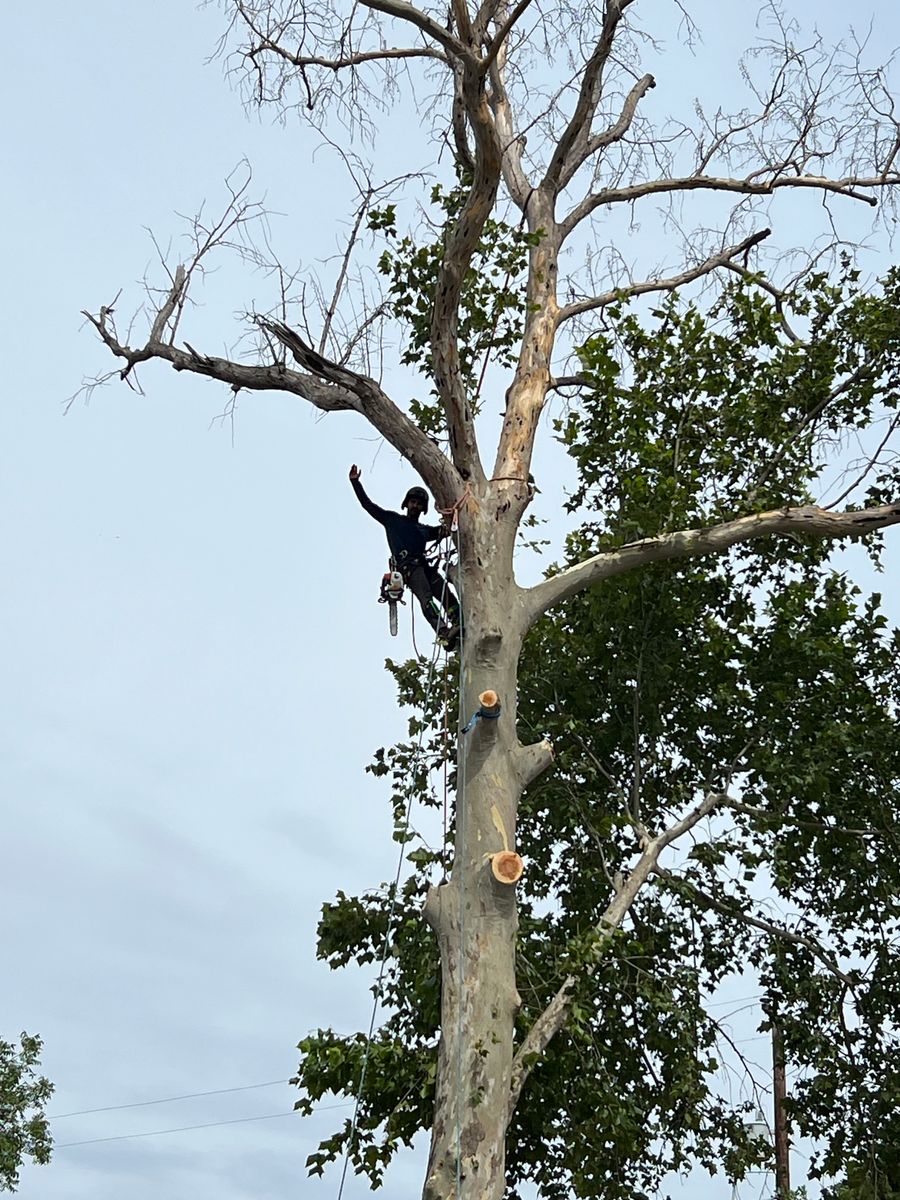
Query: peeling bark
{"points": [[474, 915]]}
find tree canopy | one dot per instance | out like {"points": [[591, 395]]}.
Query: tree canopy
{"points": [[24, 1132]]}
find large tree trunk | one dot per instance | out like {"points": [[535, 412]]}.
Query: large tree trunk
{"points": [[474, 915]]}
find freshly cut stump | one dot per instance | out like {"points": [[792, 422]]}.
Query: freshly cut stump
{"points": [[507, 866]]}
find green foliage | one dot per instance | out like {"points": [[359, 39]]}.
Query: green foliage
{"points": [[697, 417], [492, 304], [24, 1132], [764, 671], [663, 686]]}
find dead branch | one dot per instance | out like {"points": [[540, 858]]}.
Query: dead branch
{"points": [[870, 464], [853, 186], [460, 245], [723, 259], [374, 404], [761, 814], [615, 132], [414, 16], [514, 176], [572, 146], [260, 377], [498, 41], [769, 927]]}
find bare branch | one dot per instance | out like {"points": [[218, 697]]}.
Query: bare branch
{"points": [[528, 392], [614, 133], [168, 308], [342, 273], [512, 145], [349, 60], [458, 123], [855, 187], [499, 38], [691, 543], [769, 927], [762, 814], [864, 371], [260, 377], [722, 259], [571, 147], [328, 386], [556, 1014], [460, 245], [414, 16], [869, 465], [557, 383], [374, 404]]}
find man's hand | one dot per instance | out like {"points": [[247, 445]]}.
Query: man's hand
{"points": [[355, 472]]}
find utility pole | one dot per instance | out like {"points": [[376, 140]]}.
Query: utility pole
{"points": [[779, 1087]]}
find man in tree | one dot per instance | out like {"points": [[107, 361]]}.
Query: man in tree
{"points": [[407, 539]]}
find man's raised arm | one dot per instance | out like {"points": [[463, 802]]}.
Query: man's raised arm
{"points": [[372, 509]]}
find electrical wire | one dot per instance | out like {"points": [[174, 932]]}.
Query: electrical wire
{"points": [[83, 1112], [121, 1137]]}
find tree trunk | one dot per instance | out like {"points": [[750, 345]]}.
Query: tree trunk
{"points": [[474, 914]]}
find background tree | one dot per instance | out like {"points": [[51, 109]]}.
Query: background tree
{"points": [[24, 1132], [737, 467]]}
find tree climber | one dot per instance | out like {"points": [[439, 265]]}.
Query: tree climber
{"points": [[407, 540]]}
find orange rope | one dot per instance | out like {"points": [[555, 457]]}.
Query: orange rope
{"points": [[453, 512]]}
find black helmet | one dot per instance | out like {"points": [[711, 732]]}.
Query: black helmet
{"points": [[416, 493]]}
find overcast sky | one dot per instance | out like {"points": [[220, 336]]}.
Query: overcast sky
{"points": [[192, 653]]}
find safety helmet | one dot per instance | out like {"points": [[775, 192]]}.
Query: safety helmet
{"points": [[416, 493]]}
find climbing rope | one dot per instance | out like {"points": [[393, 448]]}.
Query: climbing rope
{"points": [[451, 514], [461, 838], [445, 739], [393, 908]]}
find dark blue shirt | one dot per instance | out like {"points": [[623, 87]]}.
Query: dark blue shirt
{"points": [[407, 538]]}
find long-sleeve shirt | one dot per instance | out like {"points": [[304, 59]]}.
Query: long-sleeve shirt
{"points": [[407, 538]]}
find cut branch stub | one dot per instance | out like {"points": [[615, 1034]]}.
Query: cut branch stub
{"points": [[507, 867], [490, 705]]}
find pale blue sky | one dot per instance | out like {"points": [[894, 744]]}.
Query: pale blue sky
{"points": [[192, 660]]}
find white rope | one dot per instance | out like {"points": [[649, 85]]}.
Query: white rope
{"points": [[391, 914]]}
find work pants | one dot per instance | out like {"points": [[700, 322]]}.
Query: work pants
{"points": [[432, 591]]}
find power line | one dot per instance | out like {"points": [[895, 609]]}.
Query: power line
{"points": [[736, 1000], [121, 1137], [83, 1112]]}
